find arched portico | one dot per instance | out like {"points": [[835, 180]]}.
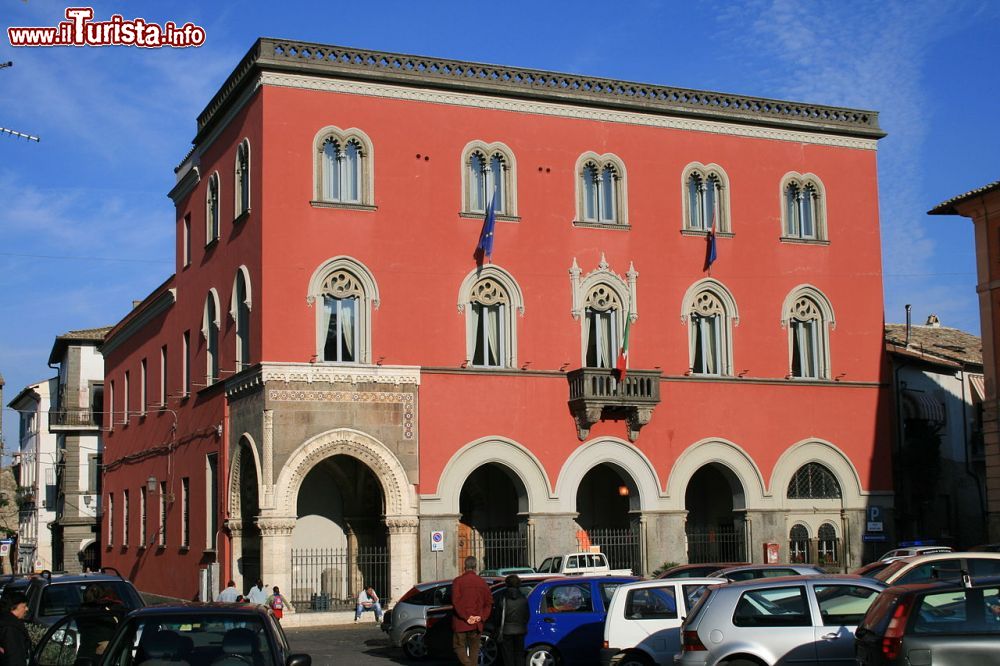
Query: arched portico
{"points": [[244, 508], [400, 508]]}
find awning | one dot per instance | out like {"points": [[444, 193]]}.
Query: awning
{"points": [[924, 406], [978, 384]]}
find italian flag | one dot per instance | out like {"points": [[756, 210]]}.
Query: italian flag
{"points": [[622, 365]]}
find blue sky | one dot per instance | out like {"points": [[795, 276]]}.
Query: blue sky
{"points": [[86, 226]]}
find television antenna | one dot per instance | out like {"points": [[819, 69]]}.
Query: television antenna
{"points": [[6, 130]]}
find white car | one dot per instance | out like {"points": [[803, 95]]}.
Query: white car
{"points": [[644, 618], [940, 566], [914, 550]]}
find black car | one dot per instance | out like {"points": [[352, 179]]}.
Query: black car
{"points": [[52, 596], [194, 634], [925, 623]]}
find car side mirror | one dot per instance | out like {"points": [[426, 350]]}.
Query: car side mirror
{"points": [[299, 660]]}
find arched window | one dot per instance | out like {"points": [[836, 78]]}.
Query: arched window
{"points": [[798, 544], [706, 198], [710, 312], [603, 312], [210, 331], [242, 179], [240, 312], [343, 167], [813, 481], [809, 317], [488, 169], [490, 297], [212, 209], [828, 545], [601, 190], [803, 211], [343, 291]]}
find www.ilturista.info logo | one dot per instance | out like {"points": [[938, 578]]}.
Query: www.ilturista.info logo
{"points": [[81, 30]]}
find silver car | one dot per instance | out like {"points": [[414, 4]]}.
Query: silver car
{"points": [[407, 621], [753, 571], [807, 620]]}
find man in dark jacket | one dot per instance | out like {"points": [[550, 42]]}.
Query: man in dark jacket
{"points": [[15, 644], [472, 602], [513, 621]]}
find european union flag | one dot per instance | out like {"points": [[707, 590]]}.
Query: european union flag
{"points": [[485, 247]]}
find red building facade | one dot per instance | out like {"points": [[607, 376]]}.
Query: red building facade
{"points": [[329, 368]]}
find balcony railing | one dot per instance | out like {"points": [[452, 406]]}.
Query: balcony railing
{"points": [[596, 393], [74, 418]]}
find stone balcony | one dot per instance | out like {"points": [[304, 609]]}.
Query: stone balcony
{"points": [[596, 394]]}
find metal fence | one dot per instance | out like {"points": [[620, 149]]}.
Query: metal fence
{"points": [[497, 548], [719, 544], [330, 578], [621, 545]]}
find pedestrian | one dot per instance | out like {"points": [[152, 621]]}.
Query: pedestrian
{"points": [[368, 601], [513, 621], [276, 602], [229, 594], [472, 603], [15, 644], [257, 594]]}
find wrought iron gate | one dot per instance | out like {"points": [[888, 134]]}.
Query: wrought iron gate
{"points": [[623, 546], [722, 543], [494, 549], [330, 578]]}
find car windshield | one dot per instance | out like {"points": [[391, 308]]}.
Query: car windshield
{"points": [[194, 639], [58, 599]]}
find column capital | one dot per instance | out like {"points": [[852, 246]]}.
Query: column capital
{"points": [[276, 526], [402, 524], [235, 526]]}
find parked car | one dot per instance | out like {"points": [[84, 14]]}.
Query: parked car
{"points": [[407, 621], [790, 620], [869, 570], [52, 596], [752, 571], [643, 623], [580, 564], [698, 570], [506, 571], [940, 566], [915, 550], [567, 619], [939, 623], [187, 633]]}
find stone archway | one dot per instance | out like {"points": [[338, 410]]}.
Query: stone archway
{"points": [[244, 509], [400, 507]]}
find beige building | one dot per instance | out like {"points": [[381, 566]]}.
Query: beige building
{"points": [[982, 206]]}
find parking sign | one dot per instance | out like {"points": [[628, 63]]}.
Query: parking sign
{"points": [[437, 541]]}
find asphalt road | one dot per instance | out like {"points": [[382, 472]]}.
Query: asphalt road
{"points": [[350, 645]]}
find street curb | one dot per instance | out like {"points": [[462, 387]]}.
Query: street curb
{"points": [[327, 619]]}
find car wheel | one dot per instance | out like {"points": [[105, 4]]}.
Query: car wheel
{"points": [[634, 659], [488, 650], [541, 655], [414, 643]]}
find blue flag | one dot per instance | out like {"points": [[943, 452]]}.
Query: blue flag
{"points": [[485, 247]]}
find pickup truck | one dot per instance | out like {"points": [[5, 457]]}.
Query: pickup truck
{"points": [[579, 564]]}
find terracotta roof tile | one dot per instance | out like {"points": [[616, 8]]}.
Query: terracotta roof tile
{"points": [[947, 343]]}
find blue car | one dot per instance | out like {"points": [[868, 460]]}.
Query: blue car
{"points": [[567, 619]]}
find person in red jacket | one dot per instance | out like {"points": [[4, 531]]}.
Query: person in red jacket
{"points": [[472, 602]]}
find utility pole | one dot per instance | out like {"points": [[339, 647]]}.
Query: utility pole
{"points": [[8, 131]]}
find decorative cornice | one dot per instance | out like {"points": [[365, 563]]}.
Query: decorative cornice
{"points": [[629, 117], [148, 311], [185, 184], [335, 62], [322, 373]]}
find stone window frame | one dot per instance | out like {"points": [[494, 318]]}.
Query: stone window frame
{"points": [[827, 323], [206, 330], [623, 288], [620, 184], [368, 300], [241, 179], [234, 305], [724, 226], [792, 540], [830, 554], [213, 227], [731, 318], [366, 186], [488, 150], [804, 180], [514, 302]]}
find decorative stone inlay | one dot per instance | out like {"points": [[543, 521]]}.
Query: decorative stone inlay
{"points": [[342, 284], [267, 463], [371, 452], [603, 289], [402, 524], [406, 399], [805, 309], [270, 527], [235, 505], [708, 304], [322, 373], [489, 292]]}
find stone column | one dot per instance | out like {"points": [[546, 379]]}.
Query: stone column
{"points": [[438, 565], [665, 538], [553, 534], [275, 553], [235, 527], [403, 553]]}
